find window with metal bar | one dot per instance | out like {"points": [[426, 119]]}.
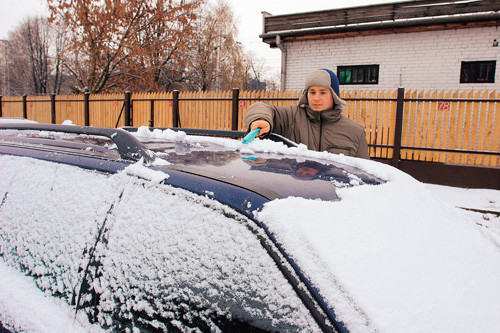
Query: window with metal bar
{"points": [[478, 71], [358, 74]]}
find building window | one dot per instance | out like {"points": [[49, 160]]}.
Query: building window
{"points": [[478, 71], [359, 74]]}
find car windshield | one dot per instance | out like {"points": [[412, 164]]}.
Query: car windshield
{"points": [[274, 174]]}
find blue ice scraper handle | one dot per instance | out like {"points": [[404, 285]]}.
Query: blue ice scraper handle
{"points": [[251, 136]]}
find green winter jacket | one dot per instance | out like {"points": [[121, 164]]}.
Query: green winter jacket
{"points": [[326, 130]]}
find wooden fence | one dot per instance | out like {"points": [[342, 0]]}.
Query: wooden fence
{"points": [[435, 126]]}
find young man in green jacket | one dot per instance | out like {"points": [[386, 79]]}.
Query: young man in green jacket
{"points": [[317, 120]]}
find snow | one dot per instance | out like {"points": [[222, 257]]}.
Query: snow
{"points": [[398, 253], [396, 257]]}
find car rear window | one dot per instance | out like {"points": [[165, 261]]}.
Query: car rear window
{"points": [[81, 144]]}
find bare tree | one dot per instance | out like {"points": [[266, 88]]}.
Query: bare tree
{"points": [[59, 46], [35, 40], [5, 88], [34, 58], [216, 58]]}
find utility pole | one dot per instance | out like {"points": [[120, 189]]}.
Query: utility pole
{"points": [[218, 74]]}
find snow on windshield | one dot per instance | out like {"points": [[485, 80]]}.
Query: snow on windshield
{"points": [[301, 153]]}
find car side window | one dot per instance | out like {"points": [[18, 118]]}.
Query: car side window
{"points": [[49, 213], [174, 260]]}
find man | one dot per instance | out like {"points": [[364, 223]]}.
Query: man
{"points": [[317, 120]]}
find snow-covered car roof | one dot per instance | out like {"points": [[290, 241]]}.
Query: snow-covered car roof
{"points": [[383, 254]]}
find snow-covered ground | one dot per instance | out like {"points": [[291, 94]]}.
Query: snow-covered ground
{"points": [[478, 199]]}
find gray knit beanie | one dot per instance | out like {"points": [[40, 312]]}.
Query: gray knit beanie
{"points": [[325, 78]]}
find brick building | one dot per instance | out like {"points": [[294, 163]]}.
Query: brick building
{"points": [[429, 44]]}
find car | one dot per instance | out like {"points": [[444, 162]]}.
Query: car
{"points": [[141, 229]]}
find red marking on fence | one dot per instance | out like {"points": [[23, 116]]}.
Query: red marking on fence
{"points": [[444, 106], [243, 104]]}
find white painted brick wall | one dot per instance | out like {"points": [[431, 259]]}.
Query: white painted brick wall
{"points": [[420, 60]]}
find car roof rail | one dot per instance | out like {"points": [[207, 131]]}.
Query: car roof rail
{"points": [[128, 146], [218, 133]]}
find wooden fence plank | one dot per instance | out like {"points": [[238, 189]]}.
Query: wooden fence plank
{"points": [[430, 128], [369, 121], [420, 130], [495, 138], [481, 128], [452, 127], [489, 129], [442, 112], [12, 106], [462, 130], [378, 116], [390, 110], [473, 135], [409, 125]]}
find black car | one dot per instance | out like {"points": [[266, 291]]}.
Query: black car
{"points": [[164, 230]]}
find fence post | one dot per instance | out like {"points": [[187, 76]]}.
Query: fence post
{"points": [[234, 115], [152, 113], [398, 130], [127, 108], [0, 105], [86, 108], [175, 108], [25, 107], [53, 108]]}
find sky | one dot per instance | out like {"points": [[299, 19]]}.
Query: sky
{"points": [[248, 15]]}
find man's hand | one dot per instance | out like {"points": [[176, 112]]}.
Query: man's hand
{"points": [[264, 126]]}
